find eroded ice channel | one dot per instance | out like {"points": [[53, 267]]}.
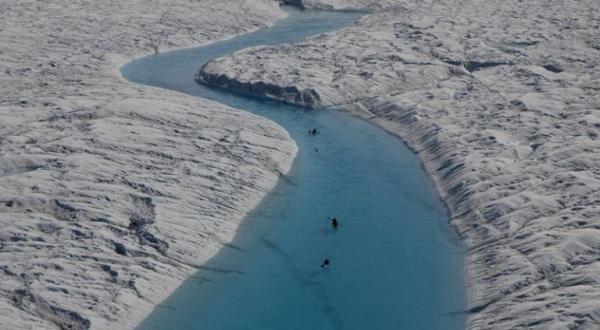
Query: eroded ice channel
{"points": [[395, 263]]}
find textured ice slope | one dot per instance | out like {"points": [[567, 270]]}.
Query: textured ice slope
{"points": [[111, 194], [501, 101]]}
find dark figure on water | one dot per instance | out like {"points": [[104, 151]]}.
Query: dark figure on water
{"points": [[313, 131], [334, 223], [325, 263]]}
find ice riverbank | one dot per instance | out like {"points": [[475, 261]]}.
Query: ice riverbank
{"points": [[502, 106], [111, 193]]}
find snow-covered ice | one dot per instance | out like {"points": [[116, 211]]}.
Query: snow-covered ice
{"points": [[501, 101], [111, 194]]}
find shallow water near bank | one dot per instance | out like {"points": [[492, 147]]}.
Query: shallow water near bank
{"points": [[395, 262]]}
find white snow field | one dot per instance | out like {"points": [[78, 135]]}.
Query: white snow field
{"points": [[501, 101], [112, 194]]}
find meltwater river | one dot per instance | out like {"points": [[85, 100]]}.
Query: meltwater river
{"points": [[395, 262]]}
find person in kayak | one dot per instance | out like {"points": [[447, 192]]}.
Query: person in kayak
{"points": [[325, 263], [334, 223]]}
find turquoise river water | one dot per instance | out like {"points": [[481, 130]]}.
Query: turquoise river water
{"points": [[395, 262]]}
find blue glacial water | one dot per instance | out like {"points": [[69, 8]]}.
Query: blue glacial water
{"points": [[395, 262]]}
